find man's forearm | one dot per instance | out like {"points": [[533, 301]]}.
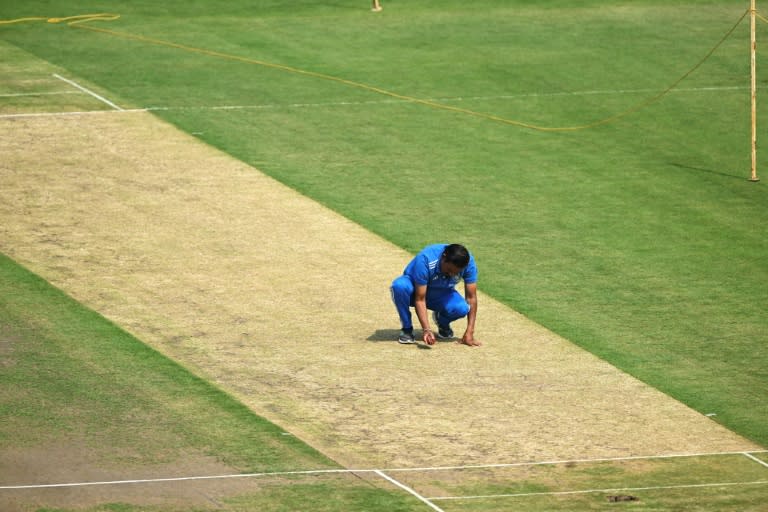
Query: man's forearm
{"points": [[471, 315], [422, 315]]}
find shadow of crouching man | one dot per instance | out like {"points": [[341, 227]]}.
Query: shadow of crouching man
{"points": [[384, 335]]}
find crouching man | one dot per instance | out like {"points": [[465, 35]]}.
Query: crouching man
{"points": [[429, 283]]}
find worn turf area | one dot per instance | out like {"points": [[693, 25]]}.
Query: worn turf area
{"points": [[285, 304]]}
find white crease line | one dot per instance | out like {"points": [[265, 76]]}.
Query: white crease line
{"points": [[390, 470], [370, 102], [88, 91], [75, 113], [591, 491], [451, 99], [179, 479], [409, 490], [749, 455]]}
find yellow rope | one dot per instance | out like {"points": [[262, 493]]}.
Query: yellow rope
{"points": [[20, 20], [81, 20], [71, 20]]}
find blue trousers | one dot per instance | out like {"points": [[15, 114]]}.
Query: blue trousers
{"points": [[446, 302]]}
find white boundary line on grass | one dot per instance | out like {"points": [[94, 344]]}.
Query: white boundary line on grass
{"points": [[590, 491], [358, 103], [380, 471], [451, 99], [73, 113], [409, 490], [182, 479], [87, 91], [749, 455]]}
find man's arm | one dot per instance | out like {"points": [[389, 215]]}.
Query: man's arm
{"points": [[420, 302], [470, 294]]}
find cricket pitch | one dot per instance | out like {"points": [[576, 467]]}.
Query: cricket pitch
{"points": [[285, 304]]}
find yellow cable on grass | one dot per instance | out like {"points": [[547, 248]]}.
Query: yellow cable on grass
{"points": [[81, 18], [21, 20], [80, 21]]}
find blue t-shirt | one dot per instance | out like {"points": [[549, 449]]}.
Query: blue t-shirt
{"points": [[424, 269]]}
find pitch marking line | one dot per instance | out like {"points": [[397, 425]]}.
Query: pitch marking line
{"points": [[73, 113], [183, 479], [590, 491], [351, 103], [452, 99], [762, 462], [377, 471], [409, 490], [87, 91]]}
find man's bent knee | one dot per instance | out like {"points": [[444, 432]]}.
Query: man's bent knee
{"points": [[457, 309]]}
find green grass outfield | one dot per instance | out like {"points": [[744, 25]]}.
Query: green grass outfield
{"points": [[640, 240]]}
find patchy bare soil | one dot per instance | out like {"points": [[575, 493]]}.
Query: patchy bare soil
{"points": [[76, 462], [285, 304]]}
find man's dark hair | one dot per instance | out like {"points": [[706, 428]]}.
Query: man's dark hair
{"points": [[456, 254]]}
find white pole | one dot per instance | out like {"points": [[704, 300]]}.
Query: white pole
{"points": [[753, 66]]}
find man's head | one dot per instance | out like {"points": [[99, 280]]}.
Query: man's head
{"points": [[455, 258]]}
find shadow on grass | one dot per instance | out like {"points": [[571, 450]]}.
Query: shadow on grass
{"points": [[384, 335], [391, 335], [710, 171]]}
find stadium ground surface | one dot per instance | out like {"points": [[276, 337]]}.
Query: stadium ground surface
{"points": [[285, 305]]}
